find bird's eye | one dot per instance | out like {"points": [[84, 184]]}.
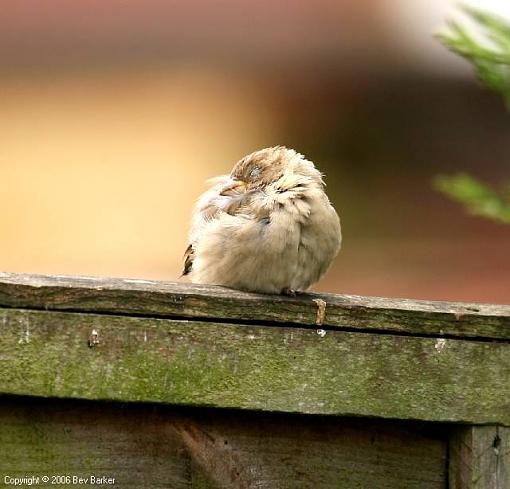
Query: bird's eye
{"points": [[255, 172]]}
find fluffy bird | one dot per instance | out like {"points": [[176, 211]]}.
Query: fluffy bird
{"points": [[267, 227]]}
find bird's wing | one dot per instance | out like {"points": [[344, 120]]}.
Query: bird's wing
{"points": [[226, 197], [189, 254]]}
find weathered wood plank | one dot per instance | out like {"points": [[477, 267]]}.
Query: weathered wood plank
{"points": [[133, 446], [479, 458], [300, 452], [151, 447], [165, 299], [253, 367]]}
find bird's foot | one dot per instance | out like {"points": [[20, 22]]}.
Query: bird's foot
{"points": [[289, 292]]}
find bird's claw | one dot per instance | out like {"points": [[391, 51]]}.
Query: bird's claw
{"points": [[289, 292]]}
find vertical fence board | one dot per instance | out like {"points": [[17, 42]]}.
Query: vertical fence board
{"points": [[480, 458]]}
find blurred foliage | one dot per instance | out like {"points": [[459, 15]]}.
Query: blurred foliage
{"points": [[490, 56], [480, 199]]}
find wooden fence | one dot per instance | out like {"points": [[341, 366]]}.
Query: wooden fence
{"points": [[151, 384]]}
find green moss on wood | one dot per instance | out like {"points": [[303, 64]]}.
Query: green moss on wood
{"points": [[254, 367]]}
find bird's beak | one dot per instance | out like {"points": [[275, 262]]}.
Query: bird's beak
{"points": [[234, 187]]}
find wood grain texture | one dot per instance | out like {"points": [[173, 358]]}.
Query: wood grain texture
{"points": [[479, 458], [46, 353], [165, 299], [154, 447]]}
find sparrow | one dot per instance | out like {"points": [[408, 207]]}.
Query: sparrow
{"points": [[268, 227]]}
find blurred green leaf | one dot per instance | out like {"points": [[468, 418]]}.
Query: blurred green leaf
{"points": [[479, 198], [490, 58]]}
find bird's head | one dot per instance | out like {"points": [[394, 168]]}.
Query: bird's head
{"points": [[278, 167]]}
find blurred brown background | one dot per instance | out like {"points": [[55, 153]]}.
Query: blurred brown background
{"points": [[113, 115]]}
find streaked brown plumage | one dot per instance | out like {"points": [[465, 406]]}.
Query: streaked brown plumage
{"points": [[267, 227]]}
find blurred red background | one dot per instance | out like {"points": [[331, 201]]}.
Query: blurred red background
{"points": [[113, 115]]}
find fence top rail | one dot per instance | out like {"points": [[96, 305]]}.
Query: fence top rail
{"points": [[205, 302], [205, 346]]}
